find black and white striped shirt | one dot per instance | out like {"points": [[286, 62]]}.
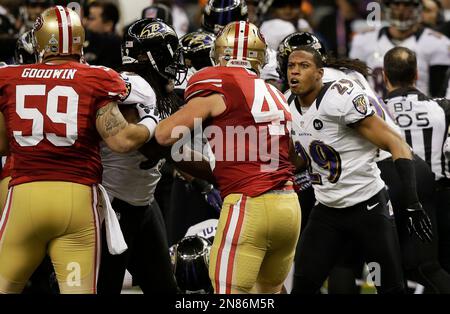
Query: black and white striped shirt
{"points": [[424, 123]]}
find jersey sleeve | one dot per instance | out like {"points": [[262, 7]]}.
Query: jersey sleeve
{"points": [[445, 105], [348, 106], [357, 107], [139, 90], [204, 83], [107, 85], [439, 47]]}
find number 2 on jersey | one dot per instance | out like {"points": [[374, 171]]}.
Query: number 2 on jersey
{"points": [[68, 118], [325, 156]]}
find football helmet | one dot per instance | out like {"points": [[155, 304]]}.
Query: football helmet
{"points": [[218, 13], [25, 53], [160, 11], [58, 32], [153, 42], [405, 19], [190, 261], [290, 42], [241, 44], [197, 48]]}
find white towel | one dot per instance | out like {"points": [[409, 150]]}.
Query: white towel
{"points": [[114, 236]]}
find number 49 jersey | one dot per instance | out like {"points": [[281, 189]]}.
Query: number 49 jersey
{"points": [[250, 139], [50, 113], [340, 161]]}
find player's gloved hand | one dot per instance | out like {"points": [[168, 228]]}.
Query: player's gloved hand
{"points": [[419, 222], [148, 117], [213, 198], [211, 194], [302, 181]]}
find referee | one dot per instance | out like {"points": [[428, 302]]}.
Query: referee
{"points": [[424, 124]]}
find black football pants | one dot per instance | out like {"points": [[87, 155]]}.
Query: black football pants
{"points": [[371, 230], [147, 257]]}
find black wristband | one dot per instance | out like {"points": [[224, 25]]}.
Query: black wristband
{"points": [[407, 173]]}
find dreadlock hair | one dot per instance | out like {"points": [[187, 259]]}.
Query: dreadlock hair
{"points": [[347, 64], [167, 102]]}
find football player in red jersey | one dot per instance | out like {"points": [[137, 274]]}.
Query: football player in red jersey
{"points": [[53, 116], [260, 218]]}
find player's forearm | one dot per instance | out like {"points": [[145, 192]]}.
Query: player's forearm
{"points": [[130, 138], [163, 133], [399, 148]]}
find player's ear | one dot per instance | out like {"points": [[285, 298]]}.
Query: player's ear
{"points": [[319, 73], [385, 79]]}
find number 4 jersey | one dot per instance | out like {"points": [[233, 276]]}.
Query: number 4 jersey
{"points": [[250, 139], [50, 113], [341, 162]]}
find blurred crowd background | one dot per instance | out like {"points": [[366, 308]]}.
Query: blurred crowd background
{"points": [[334, 21]]}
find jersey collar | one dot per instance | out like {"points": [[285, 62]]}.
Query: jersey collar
{"points": [[405, 91], [322, 92], [385, 31]]}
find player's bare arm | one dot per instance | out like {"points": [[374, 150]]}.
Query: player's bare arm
{"points": [[199, 107], [377, 131], [4, 147], [118, 134]]}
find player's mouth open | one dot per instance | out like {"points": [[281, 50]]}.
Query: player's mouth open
{"points": [[294, 82]]}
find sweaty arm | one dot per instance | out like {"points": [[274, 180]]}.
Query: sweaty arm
{"points": [[119, 135], [378, 132], [171, 129]]}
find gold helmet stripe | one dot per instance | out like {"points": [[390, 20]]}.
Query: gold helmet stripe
{"points": [[65, 29]]}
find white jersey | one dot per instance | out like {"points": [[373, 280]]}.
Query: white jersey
{"points": [[424, 123], [431, 48], [378, 105], [122, 176], [375, 102], [269, 72], [341, 162]]}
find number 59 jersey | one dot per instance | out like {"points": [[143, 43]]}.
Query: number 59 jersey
{"points": [[250, 139], [50, 113], [340, 161]]}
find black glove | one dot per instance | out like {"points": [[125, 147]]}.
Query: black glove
{"points": [[211, 194], [419, 222]]}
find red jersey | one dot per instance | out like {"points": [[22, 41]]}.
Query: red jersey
{"points": [[50, 113], [252, 147]]}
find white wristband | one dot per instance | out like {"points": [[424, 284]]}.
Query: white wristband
{"points": [[150, 123]]}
